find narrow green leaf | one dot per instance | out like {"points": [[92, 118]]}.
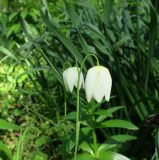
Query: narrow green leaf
{"points": [[21, 144], [108, 8], [86, 47], [94, 32], [123, 137], [118, 124], [45, 4], [7, 153], [107, 113], [157, 140], [123, 40], [69, 45], [86, 4], [7, 53], [106, 146], [29, 31], [31, 71], [66, 41], [104, 49], [71, 13]]}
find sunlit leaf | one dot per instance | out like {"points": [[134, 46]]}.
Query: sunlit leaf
{"points": [[86, 147], [7, 125], [111, 156], [42, 140], [123, 137], [85, 156]]}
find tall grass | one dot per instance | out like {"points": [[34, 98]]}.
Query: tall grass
{"points": [[122, 34]]}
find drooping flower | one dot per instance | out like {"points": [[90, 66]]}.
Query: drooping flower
{"points": [[70, 77], [98, 83]]}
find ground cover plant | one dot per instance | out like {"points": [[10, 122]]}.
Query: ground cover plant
{"points": [[48, 111]]}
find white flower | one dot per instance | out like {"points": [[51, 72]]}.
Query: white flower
{"points": [[70, 77], [98, 84]]}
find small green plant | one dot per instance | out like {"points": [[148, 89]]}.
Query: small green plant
{"points": [[97, 85]]}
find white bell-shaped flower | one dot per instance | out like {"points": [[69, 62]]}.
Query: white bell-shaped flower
{"points": [[98, 83], [70, 77]]}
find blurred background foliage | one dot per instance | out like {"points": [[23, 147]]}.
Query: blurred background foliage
{"points": [[38, 37]]}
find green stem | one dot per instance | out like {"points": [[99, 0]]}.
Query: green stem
{"points": [[87, 57], [94, 141], [77, 117], [65, 105], [57, 116], [78, 105]]}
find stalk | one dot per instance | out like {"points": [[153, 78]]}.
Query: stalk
{"points": [[78, 105], [77, 117], [94, 141]]}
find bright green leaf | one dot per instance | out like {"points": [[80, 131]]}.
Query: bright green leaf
{"points": [[42, 140], [118, 124], [108, 155], [85, 156], [123, 137], [86, 147], [6, 125]]}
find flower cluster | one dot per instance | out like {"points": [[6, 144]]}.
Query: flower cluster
{"points": [[97, 84]]}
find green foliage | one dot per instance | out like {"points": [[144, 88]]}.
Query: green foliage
{"points": [[6, 125], [5, 153], [38, 39]]}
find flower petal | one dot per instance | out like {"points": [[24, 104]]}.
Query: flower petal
{"points": [[98, 83], [91, 79], [81, 82], [108, 84], [98, 93], [70, 77]]}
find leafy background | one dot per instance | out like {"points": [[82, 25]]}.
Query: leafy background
{"points": [[39, 37]]}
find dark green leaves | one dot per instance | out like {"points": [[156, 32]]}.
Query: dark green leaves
{"points": [[107, 113], [107, 8], [65, 40]]}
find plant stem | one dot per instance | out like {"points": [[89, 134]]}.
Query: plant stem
{"points": [[78, 101], [77, 117], [65, 105], [94, 141]]}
